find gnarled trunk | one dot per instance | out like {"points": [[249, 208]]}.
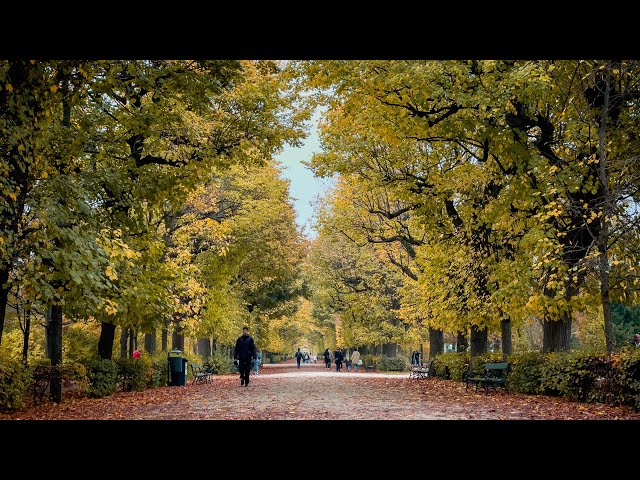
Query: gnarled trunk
{"points": [[165, 336], [177, 338], [436, 342], [150, 342], [462, 344], [25, 337], [390, 349], [55, 337], [105, 344], [204, 348], [4, 298], [479, 338], [124, 339], [505, 335], [132, 341], [556, 334]]}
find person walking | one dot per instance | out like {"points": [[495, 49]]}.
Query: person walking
{"points": [[327, 358], [347, 360], [257, 362], [244, 352], [337, 357], [298, 357], [355, 359]]}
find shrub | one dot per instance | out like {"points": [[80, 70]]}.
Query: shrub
{"points": [[450, 365], [14, 383], [371, 360], [572, 375], [526, 374], [159, 370], [625, 382], [219, 362], [389, 364], [134, 373], [102, 376]]}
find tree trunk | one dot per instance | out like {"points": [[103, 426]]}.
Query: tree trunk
{"points": [[55, 336], [606, 299], [436, 342], [105, 344], [47, 333], [25, 338], [124, 337], [177, 338], [479, 342], [150, 342], [389, 349], [556, 334], [603, 238], [204, 348], [132, 336], [462, 344], [165, 335], [4, 298], [505, 335]]}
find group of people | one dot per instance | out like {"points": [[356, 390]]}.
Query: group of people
{"points": [[351, 361], [305, 357]]}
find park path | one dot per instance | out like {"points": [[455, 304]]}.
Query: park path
{"points": [[282, 391]]}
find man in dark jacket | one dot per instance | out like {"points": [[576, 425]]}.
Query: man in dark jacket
{"points": [[245, 351], [298, 357]]}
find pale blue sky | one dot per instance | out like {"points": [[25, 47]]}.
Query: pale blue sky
{"points": [[305, 187]]}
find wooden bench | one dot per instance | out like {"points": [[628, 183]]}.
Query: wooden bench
{"points": [[422, 371], [495, 375], [200, 374], [370, 367]]}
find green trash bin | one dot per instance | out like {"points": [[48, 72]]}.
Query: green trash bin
{"points": [[177, 368]]}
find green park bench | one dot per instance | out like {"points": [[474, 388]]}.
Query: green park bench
{"points": [[494, 375], [200, 374]]}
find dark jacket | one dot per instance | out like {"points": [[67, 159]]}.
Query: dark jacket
{"points": [[245, 348], [337, 356], [327, 356]]}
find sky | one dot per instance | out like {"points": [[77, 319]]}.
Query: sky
{"points": [[305, 187]]}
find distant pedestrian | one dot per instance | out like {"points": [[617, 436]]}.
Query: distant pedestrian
{"points": [[636, 340], [355, 360], [415, 358], [327, 358], [337, 357], [257, 362], [347, 361], [136, 353], [244, 352], [298, 357]]}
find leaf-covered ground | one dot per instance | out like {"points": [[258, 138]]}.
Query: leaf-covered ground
{"points": [[313, 392]]}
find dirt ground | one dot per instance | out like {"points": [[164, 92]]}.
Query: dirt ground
{"points": [[313, 392]]}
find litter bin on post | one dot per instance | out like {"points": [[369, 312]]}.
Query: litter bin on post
{"points": [[177, 368]]}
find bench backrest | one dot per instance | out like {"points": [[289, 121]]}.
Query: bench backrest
{"points": [[496, 366], [501, 369]]}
